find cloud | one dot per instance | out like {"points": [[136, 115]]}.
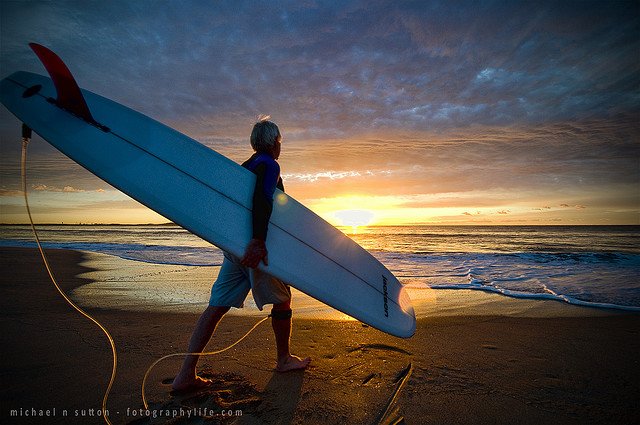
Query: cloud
{"points": [[578, 207], [332, 175], [122, 203], [10, 192], [65, 189], [582, 156], [354, 65]]}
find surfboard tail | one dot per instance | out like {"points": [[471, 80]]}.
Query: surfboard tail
{"points": [[69, 95]]}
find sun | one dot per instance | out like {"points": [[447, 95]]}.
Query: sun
{"points": [[354, 218]]}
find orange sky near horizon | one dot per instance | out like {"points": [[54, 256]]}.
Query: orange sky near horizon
{"points": [[400, 181]]}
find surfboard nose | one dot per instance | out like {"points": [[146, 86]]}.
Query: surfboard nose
{"points": [[404, 301]]}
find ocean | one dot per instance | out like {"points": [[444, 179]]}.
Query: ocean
{"points": [[596, 266]]}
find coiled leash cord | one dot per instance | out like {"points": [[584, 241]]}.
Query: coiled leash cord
{"points": [[26, 137], [209, 353]]}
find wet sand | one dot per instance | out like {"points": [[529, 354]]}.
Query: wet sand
{"points": [[482, 359]]}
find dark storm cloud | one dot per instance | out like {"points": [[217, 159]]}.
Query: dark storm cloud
{"points": [[347, 66]]}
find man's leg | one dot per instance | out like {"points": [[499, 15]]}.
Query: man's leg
{"points": [[281, 323], [205, 327]]}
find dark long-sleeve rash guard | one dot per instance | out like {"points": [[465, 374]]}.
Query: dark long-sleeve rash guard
{"points": [[267, 173]]}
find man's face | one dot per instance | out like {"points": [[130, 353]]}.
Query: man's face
{"points": [[275, 152]]}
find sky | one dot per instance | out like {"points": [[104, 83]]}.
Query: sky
{"points": [[392, 112]]}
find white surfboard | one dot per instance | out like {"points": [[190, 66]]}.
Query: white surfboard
{"points": [[206, 193]]}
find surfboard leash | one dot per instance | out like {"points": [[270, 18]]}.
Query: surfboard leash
{"points": [[206, 353], [26, 137]]}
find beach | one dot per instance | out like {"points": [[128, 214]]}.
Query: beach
{"points": [[483, 358]]}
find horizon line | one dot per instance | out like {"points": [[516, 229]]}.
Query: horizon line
{"points": [[340, 226]]}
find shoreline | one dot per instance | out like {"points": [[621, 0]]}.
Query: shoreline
{"points": [[136, 286], [530, 365]]}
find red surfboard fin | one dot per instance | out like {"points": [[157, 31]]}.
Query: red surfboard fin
{"points": [[69, 95]]}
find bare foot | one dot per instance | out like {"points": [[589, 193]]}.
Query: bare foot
{"points": [[292, 363], [195, 384]]}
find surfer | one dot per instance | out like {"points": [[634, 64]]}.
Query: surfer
{"points": [[239, 275]]}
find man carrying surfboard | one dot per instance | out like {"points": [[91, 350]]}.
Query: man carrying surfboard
{"points": [[239, 275]]}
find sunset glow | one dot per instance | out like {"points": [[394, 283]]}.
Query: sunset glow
{"points": [[392, 113], [354, 218]]}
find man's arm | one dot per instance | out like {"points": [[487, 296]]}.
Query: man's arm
{"points": [[263, 200], [266, 180]]}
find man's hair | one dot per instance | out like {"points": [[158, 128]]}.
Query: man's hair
{"points": [[264, 136]]}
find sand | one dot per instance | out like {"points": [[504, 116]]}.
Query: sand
{"points": [[482, 359]]}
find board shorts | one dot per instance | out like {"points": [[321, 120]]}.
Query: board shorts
{"points": [[235, 281]]}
